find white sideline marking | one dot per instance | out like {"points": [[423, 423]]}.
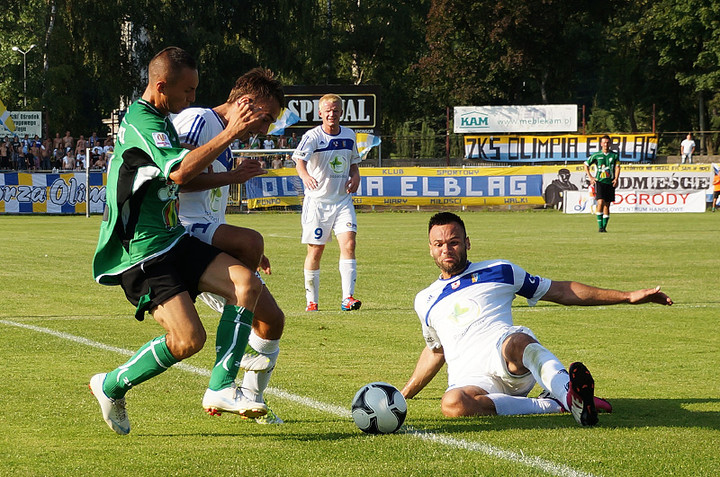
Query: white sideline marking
{"points": [[492, 451]]}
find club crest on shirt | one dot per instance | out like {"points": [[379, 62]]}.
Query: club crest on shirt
{"points": [[161, 139], [337, 164], [463, 312]]}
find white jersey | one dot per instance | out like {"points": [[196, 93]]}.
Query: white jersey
{"points": [[197, 126], [328, 160], [687, 146], [457, 314]]}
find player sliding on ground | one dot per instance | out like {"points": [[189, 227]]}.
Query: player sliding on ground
{"points": [[467, 323]]}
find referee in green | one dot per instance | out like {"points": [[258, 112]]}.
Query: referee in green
{"points": [[603, 169]]}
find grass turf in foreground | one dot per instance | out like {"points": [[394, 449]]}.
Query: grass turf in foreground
{"points": [[653, 363]]}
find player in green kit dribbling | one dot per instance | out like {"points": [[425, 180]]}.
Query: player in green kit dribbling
{"points": [[604, 177], [145, 249]]}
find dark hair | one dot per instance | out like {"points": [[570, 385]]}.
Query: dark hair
{"points": [[606, 137], [171, 61], [445, 218], [259, 83]]}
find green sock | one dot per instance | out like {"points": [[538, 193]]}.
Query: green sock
{"points": [[149, 361], [232, 337], [599, 220], [605, 220]]}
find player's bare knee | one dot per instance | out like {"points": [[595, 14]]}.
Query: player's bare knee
{"points": [[255, 245], [453, 404], [513, 350], [458, 403], [184, 345], [247, 289], [269, 323]]}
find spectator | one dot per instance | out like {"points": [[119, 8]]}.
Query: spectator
{"points": [[292, 141], [81, 146], [15, 151], [268, 143], [57, 142], [21, 151], [57, 158], [68, 162], [108, 149], [96, 153], [68, 140], [45, 151], [4, 155], [687, 148], [80, 160], [33, 159], [94, 140], [277, 162]]}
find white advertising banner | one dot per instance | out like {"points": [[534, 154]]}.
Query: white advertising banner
{"points": [[546, 118], [632, 201], [26, 122]]}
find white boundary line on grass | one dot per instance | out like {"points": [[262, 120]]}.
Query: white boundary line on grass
{"points": [[492, 451]]}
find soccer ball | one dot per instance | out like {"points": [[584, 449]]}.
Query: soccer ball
{"points": [[379, 408]]}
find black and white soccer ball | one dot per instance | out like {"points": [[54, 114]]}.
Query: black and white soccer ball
{"points": [[379, 408]]}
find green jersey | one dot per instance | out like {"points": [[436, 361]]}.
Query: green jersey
{"points": [[141, 206], [602, 166]]}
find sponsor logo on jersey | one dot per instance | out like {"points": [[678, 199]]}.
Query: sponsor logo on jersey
{"points": [[463, 313], [170, 214], [337, 164], [161, 139], [215, 197], [475, 277], [454, 285]]}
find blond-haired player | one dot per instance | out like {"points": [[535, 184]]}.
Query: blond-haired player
{"points": [[327, 162]]}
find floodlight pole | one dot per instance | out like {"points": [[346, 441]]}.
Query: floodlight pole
{"points": [[24, 53]]}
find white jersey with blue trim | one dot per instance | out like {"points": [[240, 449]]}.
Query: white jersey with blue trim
{"points": [[328, 158], [197, 126], [456, 312]]}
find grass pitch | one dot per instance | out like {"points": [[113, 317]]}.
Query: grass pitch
{"points": [[657, 365]]}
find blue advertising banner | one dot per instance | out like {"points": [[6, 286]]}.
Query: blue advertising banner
{"points": [[413, 186]]}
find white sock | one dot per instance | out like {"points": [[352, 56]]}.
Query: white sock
{"points": [[261, 345], [506, 405], [547, 370], [348, 275], [255, 383], [312, 285]]}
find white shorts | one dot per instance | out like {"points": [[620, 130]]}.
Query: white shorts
{"points": [[203, 229], [318, 219], [205, 232], [488, 369]]}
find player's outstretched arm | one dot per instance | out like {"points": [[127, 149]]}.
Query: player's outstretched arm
{"points": [[575, 293], [247, 169], [428, 365], [650, 295]]}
